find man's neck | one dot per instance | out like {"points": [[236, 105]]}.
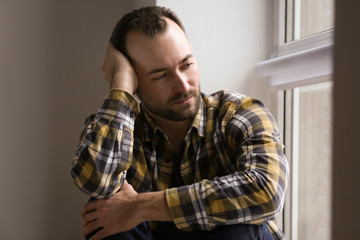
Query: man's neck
{"points": [[175, 130]]}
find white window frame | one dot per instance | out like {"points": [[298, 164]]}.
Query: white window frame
{"points": [[294, 64]]}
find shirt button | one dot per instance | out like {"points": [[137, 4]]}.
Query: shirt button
{"points": [[132, 114]]}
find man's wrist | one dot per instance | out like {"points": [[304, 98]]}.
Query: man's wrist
{"points": [[153, 206], [124, 82]]}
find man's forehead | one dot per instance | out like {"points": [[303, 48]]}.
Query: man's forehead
{"points": [[172, 42]]}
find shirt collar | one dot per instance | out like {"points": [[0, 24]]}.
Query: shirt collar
{"points": [[150, 128], [200, 118]]}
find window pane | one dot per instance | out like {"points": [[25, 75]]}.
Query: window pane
{"points": [[314, 161], [314, 17]]}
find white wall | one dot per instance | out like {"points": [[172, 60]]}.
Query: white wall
{"points": [[50, 79], [228, 38]]}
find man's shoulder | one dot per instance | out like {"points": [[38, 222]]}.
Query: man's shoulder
{"points": [[222, 97], [234, 102]]}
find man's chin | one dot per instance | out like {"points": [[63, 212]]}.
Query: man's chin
{"points": [[176, 112], [178, 115]]}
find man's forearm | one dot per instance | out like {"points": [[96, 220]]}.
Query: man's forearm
{"points": [[154, 206], [114, 128], [123, 211]]}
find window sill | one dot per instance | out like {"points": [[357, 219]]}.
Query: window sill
{"points": [[298, 67]]}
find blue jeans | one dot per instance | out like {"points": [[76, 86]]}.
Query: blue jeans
{"points": [[169, 231], [140, 232]]}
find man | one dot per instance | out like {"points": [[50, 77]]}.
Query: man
{"points": [[196, 166]]}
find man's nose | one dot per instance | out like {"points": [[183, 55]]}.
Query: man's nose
{"points": [[181, 83]]}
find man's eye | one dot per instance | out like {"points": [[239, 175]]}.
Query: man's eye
{"points": [[159, 77], [186, 66]]}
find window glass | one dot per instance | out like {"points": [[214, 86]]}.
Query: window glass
{"points": [[316, 16], [315, 136], [309, 17]]}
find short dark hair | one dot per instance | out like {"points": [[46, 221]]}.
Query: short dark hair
{"points": [[148, 20]]}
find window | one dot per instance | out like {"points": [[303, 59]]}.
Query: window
{"points": [[310, 17], [301, 91], [314, 107], [308, 122]]}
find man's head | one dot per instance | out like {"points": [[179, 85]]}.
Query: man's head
{"points": [[147, 20], [154, 40]]}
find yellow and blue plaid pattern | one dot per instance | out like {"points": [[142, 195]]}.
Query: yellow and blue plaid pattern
{"points": [[232, 167]]}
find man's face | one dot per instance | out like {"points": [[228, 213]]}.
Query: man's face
{"points": [[168, 74]]}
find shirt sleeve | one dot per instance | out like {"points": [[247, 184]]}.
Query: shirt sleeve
{"points": [[106, 144], [254, 192]]}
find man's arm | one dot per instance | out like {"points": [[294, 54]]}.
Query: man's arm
{"points": [[248, 145], [123, 211], [105, 149]]}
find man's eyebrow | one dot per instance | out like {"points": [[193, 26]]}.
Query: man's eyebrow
{"points": [[186, 58], [157, 70]]}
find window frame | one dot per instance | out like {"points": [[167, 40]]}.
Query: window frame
{"points": [[293, 64]]}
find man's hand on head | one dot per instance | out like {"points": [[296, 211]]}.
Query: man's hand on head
{"points": [[118, 70]]}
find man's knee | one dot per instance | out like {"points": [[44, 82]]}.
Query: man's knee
{"points": [[241, 232]]}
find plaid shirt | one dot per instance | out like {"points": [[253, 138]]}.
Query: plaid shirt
{"points": [[232, 168]]}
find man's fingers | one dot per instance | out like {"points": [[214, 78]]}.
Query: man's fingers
{"points": [[91, 227], [110, 46], [89, 207], [103, 67], [89, 217]]}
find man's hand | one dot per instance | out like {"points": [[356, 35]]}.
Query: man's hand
{"points": [[118, 70], [123, 211], [116, 214]]}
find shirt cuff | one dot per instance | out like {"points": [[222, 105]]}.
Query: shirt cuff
{"points": [[119, 103], [186, 208]]}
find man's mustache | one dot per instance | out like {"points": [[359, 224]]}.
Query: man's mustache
{"points": [[180, 97]]}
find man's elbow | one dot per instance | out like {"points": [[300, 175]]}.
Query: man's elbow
{"points": [[276, 197], [92, 186]]}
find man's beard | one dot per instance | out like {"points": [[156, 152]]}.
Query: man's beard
{"points": [[172, 114]]}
